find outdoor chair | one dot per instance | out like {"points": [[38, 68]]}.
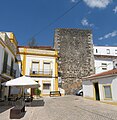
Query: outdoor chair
{"points": [[55, 93], [12, 99]]}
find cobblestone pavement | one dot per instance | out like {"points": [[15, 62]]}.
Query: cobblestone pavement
{"points": [[67, 108]]}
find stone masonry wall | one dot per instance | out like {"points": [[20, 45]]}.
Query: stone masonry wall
{"points": [[76, 58]]}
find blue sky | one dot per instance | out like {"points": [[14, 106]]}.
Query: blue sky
{"points": [[27, 17]]}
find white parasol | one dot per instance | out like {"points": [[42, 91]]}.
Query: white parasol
{"points": [[23, 82]]}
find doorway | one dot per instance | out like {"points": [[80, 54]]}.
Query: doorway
{"points": [[97, 95]]}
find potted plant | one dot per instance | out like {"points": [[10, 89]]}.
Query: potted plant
{"points": [[37, 92]]}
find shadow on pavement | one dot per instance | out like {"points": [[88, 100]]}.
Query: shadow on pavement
{"points": [[4, 106], [35, 103]]}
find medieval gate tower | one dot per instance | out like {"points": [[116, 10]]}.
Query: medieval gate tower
{"points": [[75, 49]]}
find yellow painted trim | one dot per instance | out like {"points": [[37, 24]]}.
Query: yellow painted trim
{"points": [[56, 74], [62, 94], [13, 39], [11, 50], [2, 44], [19, 62], [111, 103], [45, 94], [37, 54], [56, 52], [104, 91], [24, 62], [56, 68], [46, 81], [41, 75], [56, 84], [90, 98]]}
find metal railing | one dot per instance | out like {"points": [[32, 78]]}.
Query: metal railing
{"points": [[41, 73], [9, 71]]}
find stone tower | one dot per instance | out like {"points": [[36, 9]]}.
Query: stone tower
{"points": [[76, 60]]}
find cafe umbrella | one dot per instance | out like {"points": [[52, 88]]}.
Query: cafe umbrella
{"points": [[22, 82]]}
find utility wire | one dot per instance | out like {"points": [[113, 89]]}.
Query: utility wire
{"points": [[58, 18]]}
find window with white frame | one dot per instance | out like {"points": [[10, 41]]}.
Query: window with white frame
{"points": [[107, 91], [115, 51], [96, 50], [47, 68], [35, 67], [108, 51], [46, 86], [104, 66]]}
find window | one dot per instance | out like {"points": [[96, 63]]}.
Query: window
{"points": [[46, 86], [47, 67], [115, 51], [107, 91], [96, 51], [108, 51], [11, 71], [35, 67], [104, 66], [5, 62], [116, 64]]}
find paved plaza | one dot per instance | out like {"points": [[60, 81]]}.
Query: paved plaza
{"points": [[65, 108]]}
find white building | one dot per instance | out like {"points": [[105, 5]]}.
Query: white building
{"points": [[102, 86], [8, 64], [40, 63], [104, 57]]}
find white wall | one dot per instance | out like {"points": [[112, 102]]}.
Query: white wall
{"points": [[10, 55], [101, 82], [41, 59], [87, 89], [89, 92], [44, 80], [114, 89], [98, 65], [102, 50]]}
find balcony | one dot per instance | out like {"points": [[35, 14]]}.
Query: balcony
{"points": [[9, 71], [44, 73]]}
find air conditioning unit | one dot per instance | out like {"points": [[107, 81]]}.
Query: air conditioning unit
{"points": [[115, 64]]}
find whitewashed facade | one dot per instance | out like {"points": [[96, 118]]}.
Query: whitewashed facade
{"points": [[8, 65], [104, 57], [102, 86], [41, 65]]}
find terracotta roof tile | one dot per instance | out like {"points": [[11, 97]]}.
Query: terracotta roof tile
{"points": [[110, 72]]}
